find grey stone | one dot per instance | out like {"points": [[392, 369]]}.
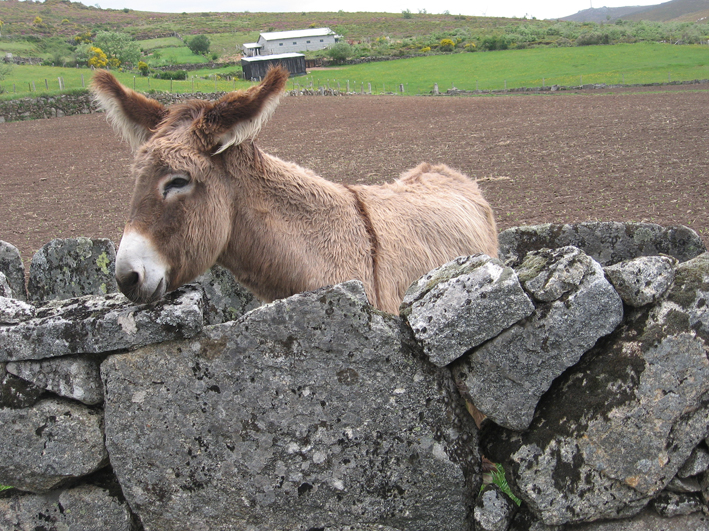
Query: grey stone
{"points": [[94, 324], [670, 504], [616, 429], [81, 508], [648, 520], [5, 289], [493, 510], [14, 270], [697, 463], [606, 242], [643, 280], [684, 486], [505, 377], [226, 299], [13, 311], [49, 443], [15, 392], [308, 412], [73, 377], [462, 304], [72, 267]]}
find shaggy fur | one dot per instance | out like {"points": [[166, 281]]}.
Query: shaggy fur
{"points": [[278, 227]]}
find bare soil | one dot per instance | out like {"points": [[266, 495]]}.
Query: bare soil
{"points": [[562, 157]]}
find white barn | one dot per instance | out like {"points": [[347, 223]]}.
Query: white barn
{"points": [[277, 42]]}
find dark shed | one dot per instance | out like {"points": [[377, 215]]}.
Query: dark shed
{"points": [[255, 68]]}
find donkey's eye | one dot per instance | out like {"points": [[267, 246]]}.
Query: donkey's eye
{"points": [[175, 184]]}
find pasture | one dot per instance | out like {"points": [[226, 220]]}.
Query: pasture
{"points": [[562, 157]]}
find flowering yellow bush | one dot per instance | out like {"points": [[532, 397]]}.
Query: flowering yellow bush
{"points": [[446, 45], [97, 58], [425, 49]]}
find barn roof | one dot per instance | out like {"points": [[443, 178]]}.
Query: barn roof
{"points": [[312, 32]]}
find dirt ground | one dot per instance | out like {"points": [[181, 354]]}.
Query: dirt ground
{"points": [[562, 157]]}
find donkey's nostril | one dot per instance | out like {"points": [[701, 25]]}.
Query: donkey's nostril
{"points": [[128, 282]]}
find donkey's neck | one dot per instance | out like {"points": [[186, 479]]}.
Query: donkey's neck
{"points": [[289, 227]]}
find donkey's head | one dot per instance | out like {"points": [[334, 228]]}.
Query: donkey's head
{"points": [[180, 214]]}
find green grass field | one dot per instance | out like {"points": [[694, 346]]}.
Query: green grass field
{"points": [[628, 63], [623, 63], [19, 82]]}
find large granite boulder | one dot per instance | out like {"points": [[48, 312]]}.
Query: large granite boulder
{"points": [[95, 324], [606, 242], [13, 269], [616, 429], [505, 377], [462, 304], [72, 267], [307, 413], [81, 508], [49, 443]]}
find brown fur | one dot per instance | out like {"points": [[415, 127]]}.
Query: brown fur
{"points": [[278, 227]]}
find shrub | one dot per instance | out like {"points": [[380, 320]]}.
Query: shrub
{"points": [[143, 68], [446, 45], [406, 13], [179, 75], [425, 49], [97, 58], [339, 52], [199, 44]]}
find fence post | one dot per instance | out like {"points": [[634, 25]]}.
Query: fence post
{"points": [[171, 86], [369, 88], [82, 84], [401, 88], [348, 85], [435, 88], [46, 83]]}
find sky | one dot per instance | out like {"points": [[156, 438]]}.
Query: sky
{"points": [[492, 8]]}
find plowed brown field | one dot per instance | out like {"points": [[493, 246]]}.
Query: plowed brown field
{"points": [[563, 157]]}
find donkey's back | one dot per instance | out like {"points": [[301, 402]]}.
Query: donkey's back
{"points": [[427, 217]]}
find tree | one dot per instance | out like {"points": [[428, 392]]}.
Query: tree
{"points": [[339, 52], [119, 46], [199, 44]]}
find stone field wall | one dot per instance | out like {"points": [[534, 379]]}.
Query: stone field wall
{"points": [[578, 361]]}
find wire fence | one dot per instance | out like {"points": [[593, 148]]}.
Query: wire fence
{"points": [[216, 84]]}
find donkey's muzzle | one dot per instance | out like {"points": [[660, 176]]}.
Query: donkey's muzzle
{"points": [[141, 272]]}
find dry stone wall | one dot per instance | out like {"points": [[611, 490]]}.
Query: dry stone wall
{"points": [[578, 360]]}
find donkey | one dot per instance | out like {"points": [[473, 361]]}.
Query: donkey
{"points": [[205, 194]]}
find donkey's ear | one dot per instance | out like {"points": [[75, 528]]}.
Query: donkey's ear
{"points": [[239, 116], [133, 115]]}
